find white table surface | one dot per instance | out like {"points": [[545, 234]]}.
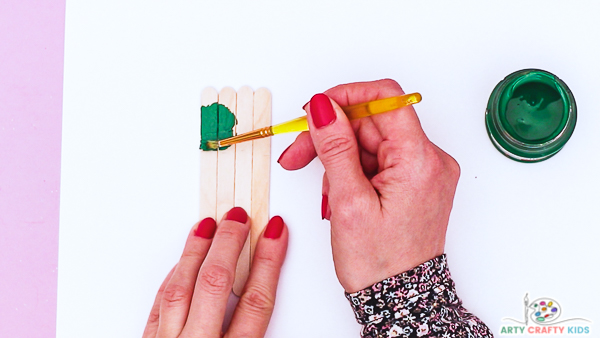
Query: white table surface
{"points": [[134, 71]]}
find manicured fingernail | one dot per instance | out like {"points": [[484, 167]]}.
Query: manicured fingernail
{"points": [[281, 156], [324, 204], [321, 110], [274, 228], [304, 106], [237, 214], [206, 228]]}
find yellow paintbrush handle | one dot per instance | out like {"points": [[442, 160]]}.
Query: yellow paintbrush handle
{"points": [[301, 124], [354, 112], [298, 124], [380, 106]]}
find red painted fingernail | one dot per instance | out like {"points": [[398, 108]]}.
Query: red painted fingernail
{"points": [[274, 228], [304, 106], [324, 204], [206, 228], [237, 214], [281, 156], [321, 110]]}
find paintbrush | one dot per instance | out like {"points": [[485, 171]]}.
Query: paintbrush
{"points": [[301, 124]]}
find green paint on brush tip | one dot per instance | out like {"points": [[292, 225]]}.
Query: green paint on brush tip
{"points": [[216, 123]]}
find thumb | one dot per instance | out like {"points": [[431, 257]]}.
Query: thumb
{"points": [[336, 146]]}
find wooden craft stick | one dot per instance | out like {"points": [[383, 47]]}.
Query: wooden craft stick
{"points": [[261, 167], [239, 175], [226, 162], [243, 178], [208, 167]]}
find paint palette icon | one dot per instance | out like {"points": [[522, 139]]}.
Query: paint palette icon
{"points": [[545, 310]]}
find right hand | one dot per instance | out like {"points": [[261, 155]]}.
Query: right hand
{"points": [[387, 190]]}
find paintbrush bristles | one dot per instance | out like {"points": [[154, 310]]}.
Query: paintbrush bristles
{"points": [[212, 145], [249, 136]]}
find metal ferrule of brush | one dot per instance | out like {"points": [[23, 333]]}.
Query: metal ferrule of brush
{"points": [[253, 135]]}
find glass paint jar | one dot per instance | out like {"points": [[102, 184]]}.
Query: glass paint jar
{"points": [[530, 115]]}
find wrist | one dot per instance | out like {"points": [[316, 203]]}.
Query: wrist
{"points": [[403, 294]]}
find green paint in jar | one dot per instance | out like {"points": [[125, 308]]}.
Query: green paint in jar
{"points": [[530, 116]]}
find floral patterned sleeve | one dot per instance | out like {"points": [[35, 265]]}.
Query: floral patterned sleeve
{"points": [[421, 302]]}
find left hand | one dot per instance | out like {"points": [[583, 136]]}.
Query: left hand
{"points": [[191, 301]]}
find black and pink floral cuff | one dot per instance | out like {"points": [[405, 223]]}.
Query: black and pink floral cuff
{"points": [[421, 302]]}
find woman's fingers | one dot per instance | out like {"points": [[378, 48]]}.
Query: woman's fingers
{"points": [[402, 123], [153, 319], [302, 151], [216, 275], [299, 154], [253, 312], [359, 92], [325, 210], [177, 295], [335, 143], [191, 301]]}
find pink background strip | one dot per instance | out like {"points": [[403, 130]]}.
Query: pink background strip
{"points": [[31, 76]]}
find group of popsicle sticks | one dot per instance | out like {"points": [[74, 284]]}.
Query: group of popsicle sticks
{"points": [[239, 175]]}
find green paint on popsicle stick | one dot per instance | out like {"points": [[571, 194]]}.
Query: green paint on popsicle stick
{"points": [[217, 123]]}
